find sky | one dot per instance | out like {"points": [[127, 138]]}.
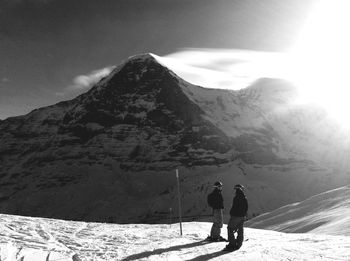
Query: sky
{"points": [[49, 49]]}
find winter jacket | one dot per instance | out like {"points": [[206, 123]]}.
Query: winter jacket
{"points": [[215, 199], [239, 205]]}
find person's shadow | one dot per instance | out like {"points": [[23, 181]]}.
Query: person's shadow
{"points": [[208, 256], [174, 248]]}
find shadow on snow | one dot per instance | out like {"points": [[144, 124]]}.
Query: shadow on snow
{"points": [[209, 256], [160, 251]]}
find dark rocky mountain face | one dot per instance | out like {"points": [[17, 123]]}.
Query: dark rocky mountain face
{"points": [[144, 98], [110, 154]]}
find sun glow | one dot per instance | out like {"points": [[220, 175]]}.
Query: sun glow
{"points": [[321, 58]]}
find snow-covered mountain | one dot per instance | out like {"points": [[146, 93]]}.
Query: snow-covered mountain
{"points": [[110, 154], [325, 213], [39, 239]]}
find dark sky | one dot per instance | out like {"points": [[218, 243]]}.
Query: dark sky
{"points": [[45, 44]]}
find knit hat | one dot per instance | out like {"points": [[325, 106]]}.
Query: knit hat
{"points": [[239, 186], [217, 184]]}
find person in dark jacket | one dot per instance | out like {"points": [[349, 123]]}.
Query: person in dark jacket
{"points": [[216, 202], [238, 213]]}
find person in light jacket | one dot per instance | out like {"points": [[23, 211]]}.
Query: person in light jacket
{"points": [[216, 202]]}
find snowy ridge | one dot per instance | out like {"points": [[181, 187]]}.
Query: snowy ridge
{"points": [[33, 238], [325, 213]]}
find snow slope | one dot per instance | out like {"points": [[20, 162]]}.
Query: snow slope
{"points": [[325, 213], [33, 238]]}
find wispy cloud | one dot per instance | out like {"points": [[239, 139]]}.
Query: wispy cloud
{"points": [[84, 82], [87, 81]]}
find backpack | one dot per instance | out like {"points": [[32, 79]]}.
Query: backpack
{"points": [[211, 199]]}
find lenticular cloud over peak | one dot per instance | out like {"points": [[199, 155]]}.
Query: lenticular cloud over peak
{"points": [[225, 68]]}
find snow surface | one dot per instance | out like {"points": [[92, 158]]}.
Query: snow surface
{"points": [[29, 239], [325, 213]]}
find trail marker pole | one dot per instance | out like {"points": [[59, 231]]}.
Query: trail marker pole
{"points": [[179, 198], [170, 216]]}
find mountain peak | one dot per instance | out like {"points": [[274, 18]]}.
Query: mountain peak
{"points": [[143, 56], [136, 66], [142, 92], [136, 62]]}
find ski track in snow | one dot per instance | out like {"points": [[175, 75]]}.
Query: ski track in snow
{"points": [[38, 239]]}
